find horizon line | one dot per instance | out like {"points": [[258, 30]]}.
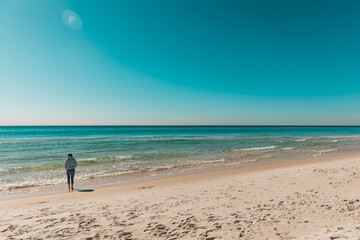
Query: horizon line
{"points": [[179, 125]]}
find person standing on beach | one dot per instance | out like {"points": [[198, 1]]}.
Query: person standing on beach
{"points": [[70, 165]]}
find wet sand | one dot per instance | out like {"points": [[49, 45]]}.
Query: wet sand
{"points": [[305, 199]]}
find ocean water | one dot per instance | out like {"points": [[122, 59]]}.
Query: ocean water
{"points": [[34, 155]]}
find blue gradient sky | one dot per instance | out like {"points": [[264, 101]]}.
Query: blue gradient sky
{"points": [[180, 62]]}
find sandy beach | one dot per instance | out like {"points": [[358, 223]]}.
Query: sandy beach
{"points": [[307, 199], [179, 120]]}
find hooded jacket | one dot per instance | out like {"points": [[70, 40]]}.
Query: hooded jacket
{"points": [[70, 163]]}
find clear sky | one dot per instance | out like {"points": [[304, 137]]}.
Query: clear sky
{"points": [[179, 62]]}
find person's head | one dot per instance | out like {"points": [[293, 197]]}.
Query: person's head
{"points": [[69, 155]]}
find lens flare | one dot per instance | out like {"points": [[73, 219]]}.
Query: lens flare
{"points": [[72, 20]]}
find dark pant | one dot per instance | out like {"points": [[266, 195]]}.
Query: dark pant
{"points": [[70, 175]]}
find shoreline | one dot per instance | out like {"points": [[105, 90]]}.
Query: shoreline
{"points": [[33, 161], [164, 178]]}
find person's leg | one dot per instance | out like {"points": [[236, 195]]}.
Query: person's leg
{"points": [[72, 178], [68, 178]]}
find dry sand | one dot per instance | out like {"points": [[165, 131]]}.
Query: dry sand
{"points": [[293, 200]]}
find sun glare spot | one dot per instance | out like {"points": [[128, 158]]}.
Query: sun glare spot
{"points": [[72, 20]]}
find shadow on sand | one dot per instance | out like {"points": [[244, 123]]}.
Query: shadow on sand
{"points": [[84, 190]]}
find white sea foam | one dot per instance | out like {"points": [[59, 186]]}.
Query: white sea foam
{"points": [[116, 157], [288, 148], [301, 140], [169, 166], [257, 148], [320, 152], [123, 157], [211, 161], [85, 159], [344, 136], [30, 184], [256, 159], [108, 174]]}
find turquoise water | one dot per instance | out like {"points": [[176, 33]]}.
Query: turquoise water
{"points": [[32, 155]]}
